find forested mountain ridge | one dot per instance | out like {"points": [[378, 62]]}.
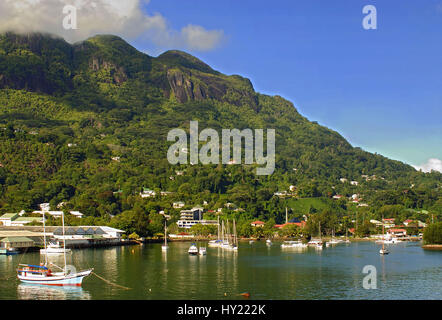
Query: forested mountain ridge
{"points": [[85, 120]]}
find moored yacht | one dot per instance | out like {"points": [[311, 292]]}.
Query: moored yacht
{"points": [[54, 248], [293, 244], [193, 250], [28, 273]]}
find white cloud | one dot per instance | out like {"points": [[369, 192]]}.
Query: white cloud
{"points": [[431, 164], [123, 18]]}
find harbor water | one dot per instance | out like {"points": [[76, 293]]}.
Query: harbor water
{"points": [[266, 272]]}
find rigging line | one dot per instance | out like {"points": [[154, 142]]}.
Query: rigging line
{"points": [[109, 282]]}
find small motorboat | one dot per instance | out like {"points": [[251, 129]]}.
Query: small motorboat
{"points": [[203, 251], [293, 244], [9, 251], [193, 250], [215, 243], [384, 251], [317, 244], [334, 241]]}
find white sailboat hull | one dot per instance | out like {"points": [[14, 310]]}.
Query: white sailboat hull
{"points": [[57, 279]]}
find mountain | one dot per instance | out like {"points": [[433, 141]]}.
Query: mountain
{"points": [[67, 110]]}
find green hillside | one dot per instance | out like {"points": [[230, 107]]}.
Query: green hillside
{"points": [[67, 110]]}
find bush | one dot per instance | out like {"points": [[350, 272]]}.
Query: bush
{"points": [[134, 236]]}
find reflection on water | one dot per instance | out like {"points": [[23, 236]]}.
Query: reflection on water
{"points": [[41, 292], [408, 272]]}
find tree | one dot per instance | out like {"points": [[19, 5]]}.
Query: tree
{"points": [[291, 230], [433, 233]]}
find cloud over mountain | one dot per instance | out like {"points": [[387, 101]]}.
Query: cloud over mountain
{"points": [[124, 18], [431, 164]]}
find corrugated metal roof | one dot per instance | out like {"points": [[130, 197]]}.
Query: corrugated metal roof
{"points": [[9, 215], [17, 239]]}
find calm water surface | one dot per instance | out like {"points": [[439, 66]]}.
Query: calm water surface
{"points": [[408, 272]]}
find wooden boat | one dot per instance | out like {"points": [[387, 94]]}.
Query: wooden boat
{"points": [[42, 275]]}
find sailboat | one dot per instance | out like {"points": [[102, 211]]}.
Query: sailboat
{"points": [[234, 245], [333, 239], [346, 235], [317, 243], [165, 247], [225, 237], [383, 249], [41, 274], [218, 242], [52, 247]]}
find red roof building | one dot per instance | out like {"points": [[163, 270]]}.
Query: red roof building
{"points": [[299, 224], [257, 224], [397, 232]]}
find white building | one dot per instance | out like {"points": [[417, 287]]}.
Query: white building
{"points": [[178, 205], [78, 214], [55, 214], [376, 222], [7, 218], [354, 183], [187, 224], [147, 193], [189, 218], [44, 206], [58, 214]]}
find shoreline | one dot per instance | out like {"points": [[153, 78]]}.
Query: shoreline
{"points": [[432, 246]]}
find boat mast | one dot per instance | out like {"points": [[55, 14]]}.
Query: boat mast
{"points": [[165, 233], [64, 244], [228, 232], [236, 236], [383, 235], [234, 233], [320, 236], [218, 229], [44, 236]]}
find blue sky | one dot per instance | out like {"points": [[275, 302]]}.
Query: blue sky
{"points": [[381, 89]]}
